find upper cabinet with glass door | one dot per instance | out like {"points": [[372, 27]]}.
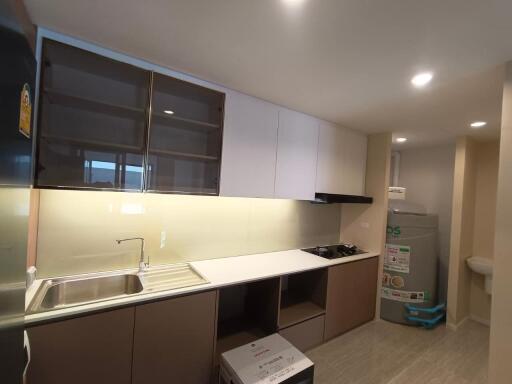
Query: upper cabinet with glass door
{"points": [[92, 120], [185, 137]]}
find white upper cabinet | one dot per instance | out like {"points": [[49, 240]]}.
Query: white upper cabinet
{"points": [[297, 149], [249, 147], [273, 152], [329, 174], [341, 161]]}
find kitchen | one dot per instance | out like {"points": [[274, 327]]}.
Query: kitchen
{"points": [[185, 225], [169, 221]]}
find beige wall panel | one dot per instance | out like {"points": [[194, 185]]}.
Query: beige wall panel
{"points": [[500, 369], [484, 229], [365, 225], [485, 203], [461, 243], [33, 221]]}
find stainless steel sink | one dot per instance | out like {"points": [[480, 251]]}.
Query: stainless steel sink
{"points": [[91, 288], [58, 293]]}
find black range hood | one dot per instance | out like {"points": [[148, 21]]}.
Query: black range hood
{"points": [[328, 198]]}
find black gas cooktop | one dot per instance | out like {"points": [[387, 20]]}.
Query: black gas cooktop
{"points": [[335, 251]]}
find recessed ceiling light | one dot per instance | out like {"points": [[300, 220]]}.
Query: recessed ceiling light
{"points": [[478, 124], [422, 79], [169, 112], [401, 139], [293, 3]]}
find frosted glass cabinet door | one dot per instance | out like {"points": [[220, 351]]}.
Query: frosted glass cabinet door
{"points": [[249, 147], [92, 120], [297, 149]]}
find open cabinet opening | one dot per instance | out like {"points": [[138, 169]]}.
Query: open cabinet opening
{"points": [[302, 297], [246, 313]]}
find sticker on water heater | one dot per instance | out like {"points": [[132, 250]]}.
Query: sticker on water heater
{"points": [[404, 296], [386, 279], [397, 258], [397, 282]]}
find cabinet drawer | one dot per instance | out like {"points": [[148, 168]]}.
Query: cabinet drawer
{"points": [[305, 335]]}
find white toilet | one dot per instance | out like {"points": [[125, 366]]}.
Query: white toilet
{"points": [[485, 267]]}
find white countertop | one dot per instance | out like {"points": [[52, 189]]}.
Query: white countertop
{"points": [[219, 272]]}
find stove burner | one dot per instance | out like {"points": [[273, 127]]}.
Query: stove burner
{"points": [[347, 249], [335, 251], [322, 251]]}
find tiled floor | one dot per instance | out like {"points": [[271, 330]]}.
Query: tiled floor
{"points": [[386, 353]]}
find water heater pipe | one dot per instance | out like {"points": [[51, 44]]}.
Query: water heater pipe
{"points": [[396, 168]]}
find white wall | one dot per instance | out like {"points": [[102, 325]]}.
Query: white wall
{"points": [[427, 173]]}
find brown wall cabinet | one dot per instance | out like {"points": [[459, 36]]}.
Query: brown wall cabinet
{"points": [[91, 349], [351, 295], [174, 340], [104, 124]]}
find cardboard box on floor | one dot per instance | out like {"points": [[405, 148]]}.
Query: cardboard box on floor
{"points": [[270, 360]]}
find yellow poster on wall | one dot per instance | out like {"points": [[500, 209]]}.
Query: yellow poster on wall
{"points": [[25, 111]]}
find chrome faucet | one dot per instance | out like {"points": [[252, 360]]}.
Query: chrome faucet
{"points": [[142, 264]]}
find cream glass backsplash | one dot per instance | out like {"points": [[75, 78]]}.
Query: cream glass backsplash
{"points": [[14, 210], [78, 229]]}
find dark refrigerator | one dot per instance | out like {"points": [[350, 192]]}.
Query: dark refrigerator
{"points": [[17, 78]]}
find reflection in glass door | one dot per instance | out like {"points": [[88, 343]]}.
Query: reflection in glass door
{"points": [[92, 120]]}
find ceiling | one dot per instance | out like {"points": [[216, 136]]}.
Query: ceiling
{"points": [[346, 61]]}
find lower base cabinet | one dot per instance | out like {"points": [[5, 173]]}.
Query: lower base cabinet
{"points": [[174, 340], [168, 341], [351, 295], [92, 349]]}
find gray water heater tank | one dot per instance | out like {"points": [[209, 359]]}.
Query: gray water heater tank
{"points": [[410, 261]]}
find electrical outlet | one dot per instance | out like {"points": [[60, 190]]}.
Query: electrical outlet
{"points": [[163, 237]]}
